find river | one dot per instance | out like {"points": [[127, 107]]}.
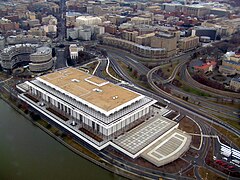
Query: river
{"points": [[28, 153]]}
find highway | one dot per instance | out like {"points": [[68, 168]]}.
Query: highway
{"points": [[190, 109], [177, 104], [196, 161]]}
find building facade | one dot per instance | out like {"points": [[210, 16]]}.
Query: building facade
{"points": [[40, 57], [188, 43], [98, 112], [140, 50]]}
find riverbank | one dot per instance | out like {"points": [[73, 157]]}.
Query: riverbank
{"points": [[64, 141]]}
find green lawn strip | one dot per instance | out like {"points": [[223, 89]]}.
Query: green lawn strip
{"points": [[113, 73], [235, 124], [134, 79], [167, 69], [231, 136], [237, 106], [80, 148], [91, 66], [195, 91]]}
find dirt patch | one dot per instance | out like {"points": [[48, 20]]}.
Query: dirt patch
{"points": [[190, 126], [171, 115], [189, 173]]}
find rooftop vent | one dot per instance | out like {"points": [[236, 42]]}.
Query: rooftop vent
{"points": [[97, 90], [114, 97], [75, 80]]}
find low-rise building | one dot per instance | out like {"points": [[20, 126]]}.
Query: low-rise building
{"points": [[226, 70], [140, 20], [165, 40], [88, 20], [235, 84], [40, 57], [130, 35], [37, 31], [144, 39], [206, 67], [188, 43], [232, 64], [140, 50], [2, 42], [74, 49]]}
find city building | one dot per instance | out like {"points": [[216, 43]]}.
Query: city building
{"points": [[235, 84], [226, 70], [206, 31], [85, 34], [232, 64], [87, 20], [144, 39], [98, 106], [130, 35], [49, 20], [206, 67], [188, 43], [2, 42], [39, 58], [37, 31], [100, 113], [72, 33], [140, 50], [34, 23], [7, 25], [25, 39], [232, 60], [74, 49], [140, 20], [166, 41]]}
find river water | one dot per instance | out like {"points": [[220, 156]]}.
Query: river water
{"points": [[28, 153]]}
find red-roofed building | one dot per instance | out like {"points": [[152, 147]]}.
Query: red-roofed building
{"points": [[209, 66]]}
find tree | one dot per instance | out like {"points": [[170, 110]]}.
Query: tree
{"points": [[135, 73]]}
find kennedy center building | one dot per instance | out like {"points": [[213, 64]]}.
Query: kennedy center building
{"points": [[93, 109]]}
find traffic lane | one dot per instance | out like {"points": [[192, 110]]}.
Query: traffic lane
{"points": [[138, 66]]}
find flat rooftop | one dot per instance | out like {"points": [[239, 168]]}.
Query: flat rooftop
{"points": [[95, 92], [143, 135], [168, 148]]}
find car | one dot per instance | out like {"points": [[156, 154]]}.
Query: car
{"points": [[224, 164], [219, 161], [230, 167]]}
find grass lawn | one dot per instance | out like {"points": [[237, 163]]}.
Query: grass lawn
{"points": [[230, 122], [208, 175], [80, 148], [42, 123], [233, 137], [195, 91], [167, 69], [131, 74], [112, 72], [90, 66]]}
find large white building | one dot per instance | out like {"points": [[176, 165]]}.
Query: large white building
{"points": [[87, 20], [101, 113], [100, 107]]}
